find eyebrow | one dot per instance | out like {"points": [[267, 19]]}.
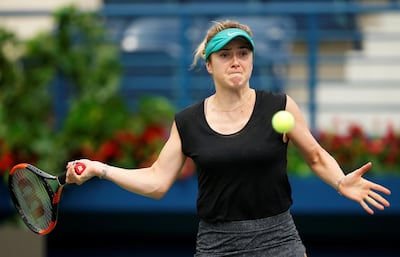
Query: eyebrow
{"points": [[230, 48], [245, 46]]}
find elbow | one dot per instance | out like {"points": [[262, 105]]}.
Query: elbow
{"points": [[314, 158], [313, 162], [319, 160], [159, 185], [157, 193]]}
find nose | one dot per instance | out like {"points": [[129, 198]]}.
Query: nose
{"points": [[235, 61]]}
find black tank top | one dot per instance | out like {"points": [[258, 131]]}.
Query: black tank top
{"points": [[241, 176]]}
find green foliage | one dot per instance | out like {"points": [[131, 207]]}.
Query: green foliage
{"points": [[24, 101], [76, 53], [296, 164], [90, 62], [75, 56], [98, 124], [155, 109], [135, 142], [354, 149], [90, 121]]}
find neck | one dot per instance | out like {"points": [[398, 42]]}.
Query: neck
{"points": [[232, 102]]}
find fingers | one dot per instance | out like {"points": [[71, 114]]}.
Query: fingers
{"points": [[375, 200], [374, 203], [365, 192], [69, 164], [72, 176], [377, 187], [380, 199], [366, 207], [363, 169]]}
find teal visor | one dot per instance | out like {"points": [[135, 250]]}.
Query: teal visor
{"points": [[224, 37]]}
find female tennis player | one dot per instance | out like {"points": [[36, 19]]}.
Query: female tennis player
{"points": [[244, 196]]}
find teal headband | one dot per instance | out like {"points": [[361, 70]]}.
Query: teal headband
{"points": [[224, 37]]}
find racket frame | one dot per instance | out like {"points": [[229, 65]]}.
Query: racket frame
{"points": [[55, 195]]}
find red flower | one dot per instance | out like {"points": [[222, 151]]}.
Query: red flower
{"points": [[356, 131], [188, 169], [390, 136], [108, 150], [149, 161], [376, 146], [6, 162], [152, 133], [125, 137]]}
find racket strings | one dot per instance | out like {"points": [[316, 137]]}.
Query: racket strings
{"points": [[33, 198]]}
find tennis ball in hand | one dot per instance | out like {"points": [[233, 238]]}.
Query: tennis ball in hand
{"points": [[282, 121]]}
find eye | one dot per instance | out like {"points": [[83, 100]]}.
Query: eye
{"points": [[244, 52], [224, 54]]}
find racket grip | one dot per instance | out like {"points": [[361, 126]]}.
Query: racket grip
{"points": [[62, 178], [79, 168]]}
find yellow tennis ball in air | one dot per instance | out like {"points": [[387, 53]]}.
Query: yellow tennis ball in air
{"points": [[282, 121]]}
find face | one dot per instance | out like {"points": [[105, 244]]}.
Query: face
{"points": [[232, 65]]}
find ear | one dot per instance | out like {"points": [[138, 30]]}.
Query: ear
{"points": [[209, 67]]}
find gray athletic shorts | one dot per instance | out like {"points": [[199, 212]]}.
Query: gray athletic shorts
{"points": [[274, 236]]}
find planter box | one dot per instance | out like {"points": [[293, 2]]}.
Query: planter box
{"points": [[310, 195], [313, 196]]}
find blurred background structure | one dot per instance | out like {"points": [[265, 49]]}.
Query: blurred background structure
{"points": [[339, 59]]}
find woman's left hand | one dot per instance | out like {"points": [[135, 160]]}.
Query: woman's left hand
{"points": [[363, 191]]}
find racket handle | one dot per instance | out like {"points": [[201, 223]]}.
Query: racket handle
{"points": [[62, 178], [79, 168]]}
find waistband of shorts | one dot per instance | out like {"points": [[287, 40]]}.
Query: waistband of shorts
{"points": [[249, 225]]}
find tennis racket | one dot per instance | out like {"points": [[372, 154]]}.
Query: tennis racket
{"points": [[36, 194]]}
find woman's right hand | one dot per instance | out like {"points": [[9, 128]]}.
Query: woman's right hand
{"points": [[91, 169]]}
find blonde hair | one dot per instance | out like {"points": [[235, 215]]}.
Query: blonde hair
{"points": [[211, 32]]}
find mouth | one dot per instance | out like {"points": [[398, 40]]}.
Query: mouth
{"points": [[235, 73], [235, 77]]}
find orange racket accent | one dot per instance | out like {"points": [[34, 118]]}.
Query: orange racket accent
{"points": [[35, 198], [57, 195], [46, 231]]}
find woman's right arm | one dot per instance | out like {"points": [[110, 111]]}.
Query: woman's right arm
{"points": [[153, 181]]}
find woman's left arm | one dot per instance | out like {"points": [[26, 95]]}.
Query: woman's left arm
{"points": [[352, 185]]}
